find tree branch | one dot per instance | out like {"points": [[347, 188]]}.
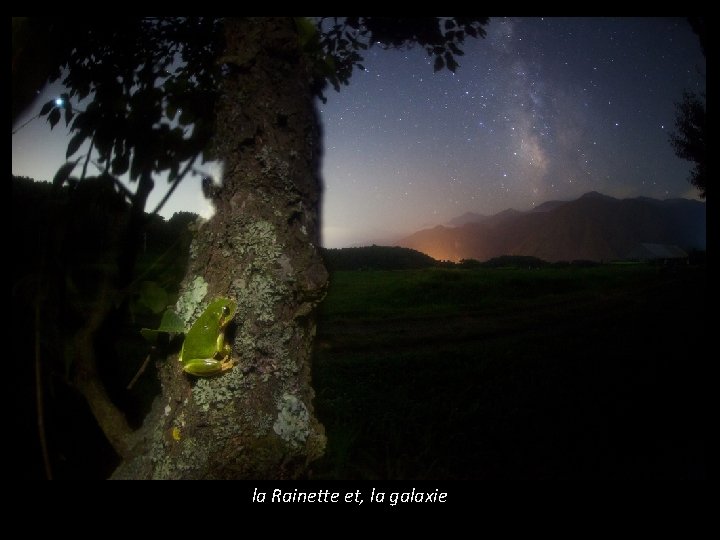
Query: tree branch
{"points": [[87, 380]]}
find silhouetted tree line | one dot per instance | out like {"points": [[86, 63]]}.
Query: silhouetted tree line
{"points": [[525, 262], [400, 258], [376, 258]]}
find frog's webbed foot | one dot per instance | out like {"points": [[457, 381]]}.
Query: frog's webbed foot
{"points": [[227, 364], [225, 358]]}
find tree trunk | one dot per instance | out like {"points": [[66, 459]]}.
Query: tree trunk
{"points": [[255, 421]]}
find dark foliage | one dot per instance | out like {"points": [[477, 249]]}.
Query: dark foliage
{"points": [[153, 82], [699, 26], [515, 261], [342, 38], [690, 138], [64, 243]]}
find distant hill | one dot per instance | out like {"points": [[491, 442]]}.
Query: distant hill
{"points": [[376, 258], [549, 205], [467, 217], [594, 227]]}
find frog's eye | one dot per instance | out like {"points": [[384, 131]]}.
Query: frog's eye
{"points": [[225, 310]]}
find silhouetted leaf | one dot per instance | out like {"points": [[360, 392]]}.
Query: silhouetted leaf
{"points": [[54, 117], [137, 166], [471, 31], [307, 32], [172, 175], [46, 108], [103, 144], [170, 323], [455, 49], [450, 61], [439, 63], [152, 296], [449, 24], [68, 113], [63, 173], [74, 144], [150, 335], [186, 117], [120, 164]]}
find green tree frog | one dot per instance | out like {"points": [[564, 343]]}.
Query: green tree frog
{"points": [[204, 352]]}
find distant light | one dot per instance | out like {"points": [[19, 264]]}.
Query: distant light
{"points": [[59, 102]]}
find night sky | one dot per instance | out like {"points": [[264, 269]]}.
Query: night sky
{"points": [[541, 109]]}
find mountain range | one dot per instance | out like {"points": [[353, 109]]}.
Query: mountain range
{"points": [[594, 227]]}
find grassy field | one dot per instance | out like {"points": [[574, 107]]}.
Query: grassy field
{"points": [[509, 373]]}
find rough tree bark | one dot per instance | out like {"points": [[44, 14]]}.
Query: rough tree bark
{"points": [[261, 248]]}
